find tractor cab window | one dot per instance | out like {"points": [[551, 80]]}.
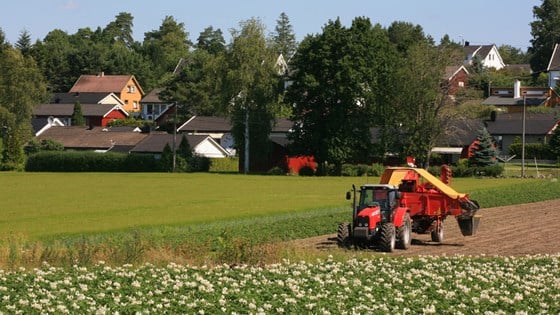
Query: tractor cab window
{"points": [[374, 197]]}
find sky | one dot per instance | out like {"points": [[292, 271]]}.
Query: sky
{"points": [[500, 22]]}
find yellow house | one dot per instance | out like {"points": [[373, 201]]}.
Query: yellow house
{"points": [[126, 87]]}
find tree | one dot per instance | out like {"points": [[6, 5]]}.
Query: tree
{"points": [[340, 90], [545, 30], [511, 55], [211, 41], [554, 142], [53, 57], [17, 99], [198, 85], [24, 43], [284, 38], [251, 89], [166, 46], [422, 100], [405, 35], [483, 153], [120, 30], [77, 116]]}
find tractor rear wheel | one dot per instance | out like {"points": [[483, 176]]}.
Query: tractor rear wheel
{"points": [[343, 236], [404, 233], [387, 237], [437, 233]]}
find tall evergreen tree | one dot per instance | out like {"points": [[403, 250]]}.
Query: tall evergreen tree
{"points": [[211, 41], [24, 43], [483, 152], [284, 37], [78, 116], [120, 30]]}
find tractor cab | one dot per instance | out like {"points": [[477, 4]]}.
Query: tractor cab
{"points": [[383, 196]]}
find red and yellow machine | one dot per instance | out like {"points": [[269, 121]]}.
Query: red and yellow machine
{"points": [[406, 200]]}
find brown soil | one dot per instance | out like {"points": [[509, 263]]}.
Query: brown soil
{"points": [[526, 229]]}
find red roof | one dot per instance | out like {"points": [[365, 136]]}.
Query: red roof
{"points": [[102, 83]]}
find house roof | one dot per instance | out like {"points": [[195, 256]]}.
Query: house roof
{"points": [[152, 97], [510, 101], [103, 83], [451, 71], [480, 50], [76, 137], [83, 98], [512, 124], [461, 133], [66, 110], [210, 124], [156, 141], [554, 63], [206, 124]]}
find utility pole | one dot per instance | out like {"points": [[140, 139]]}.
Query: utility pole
{"points": [[523, 139], [246, 159], [175, 139]]}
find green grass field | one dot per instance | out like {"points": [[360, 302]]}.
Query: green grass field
{"points": [[40, 205], [43, 204], [68, 218]]}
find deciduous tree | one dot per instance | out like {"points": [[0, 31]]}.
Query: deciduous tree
{"points": [[251, 86], [545, 30], [21, 88]]}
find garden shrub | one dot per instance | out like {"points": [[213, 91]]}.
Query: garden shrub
{"points": [[225, 165], [277, 170], [306, 171], [532, 150]]}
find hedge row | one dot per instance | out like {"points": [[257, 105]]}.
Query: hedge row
{"points": [[537, 151], [76, 161]]}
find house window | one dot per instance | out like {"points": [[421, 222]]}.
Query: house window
{"points": [[461, 84], [135, 105], [149, 109], [131, 89]]}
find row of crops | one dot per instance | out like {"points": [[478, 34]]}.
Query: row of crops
{"points": [[380, 285]]}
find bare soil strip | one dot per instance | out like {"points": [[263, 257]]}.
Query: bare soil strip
{"points": [[526, 229]]}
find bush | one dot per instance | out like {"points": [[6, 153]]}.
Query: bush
{"points": [[362, 169], [532, 150], [78, 161], [306, 171], [277, 170], [225, 165]]}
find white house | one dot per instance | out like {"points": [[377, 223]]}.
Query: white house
{"points": [[488, 55]]}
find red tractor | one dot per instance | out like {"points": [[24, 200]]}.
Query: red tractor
{"points": [[406, 200]]}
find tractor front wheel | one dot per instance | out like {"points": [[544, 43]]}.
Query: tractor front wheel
{"points": [[387, 237], [343, 236], [404, 234], [437, 233]]}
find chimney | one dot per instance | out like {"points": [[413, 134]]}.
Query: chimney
{"points": [[101, 74], [517, 89]]}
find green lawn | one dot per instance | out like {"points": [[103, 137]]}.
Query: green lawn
{"points": [[39, 205], [42, 204]]}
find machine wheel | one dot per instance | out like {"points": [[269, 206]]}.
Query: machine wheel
{"points": [[404, 233], [343, 237], [437, 233], [387, 237]]}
